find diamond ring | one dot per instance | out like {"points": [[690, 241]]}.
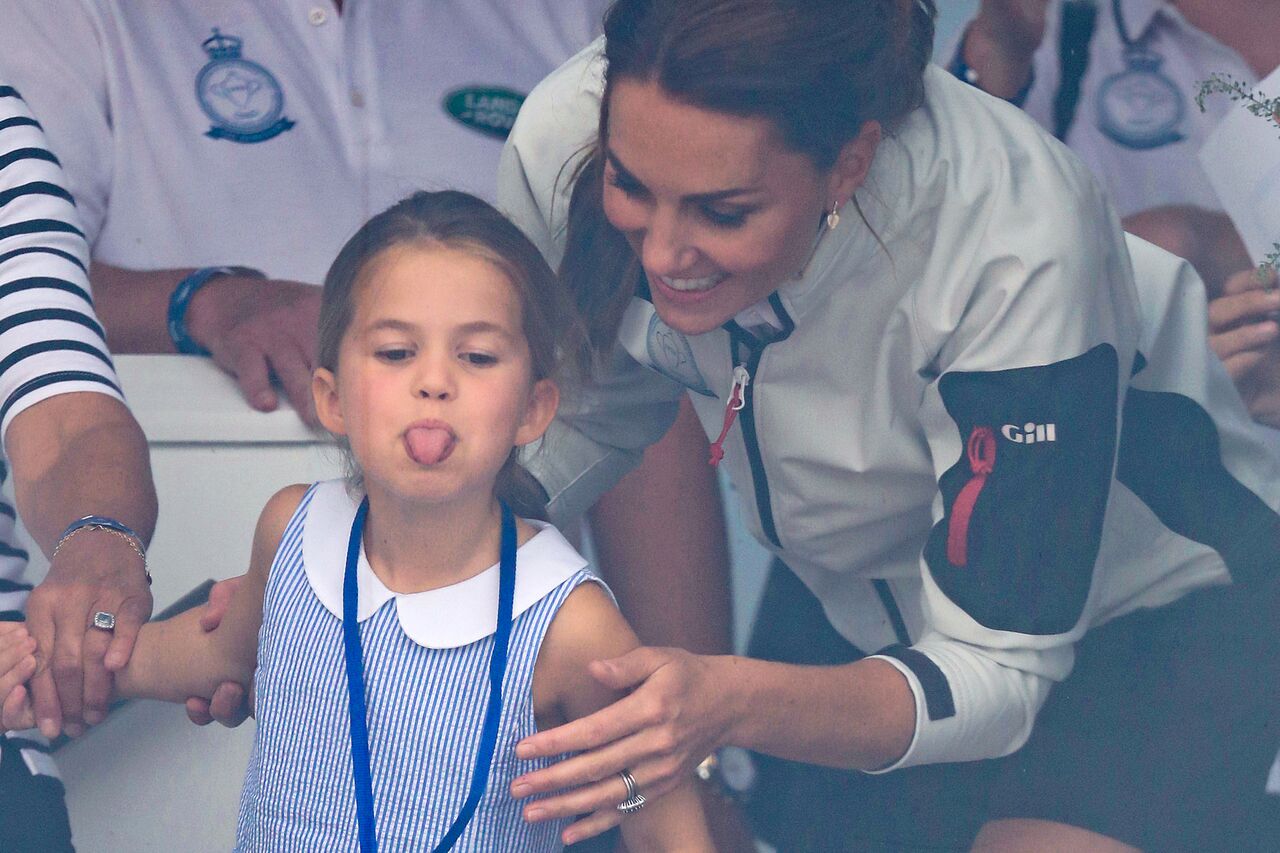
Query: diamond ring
{"points": [[635, 800]]}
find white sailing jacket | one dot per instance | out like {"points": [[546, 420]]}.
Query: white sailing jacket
{"points": [[932, 439]]}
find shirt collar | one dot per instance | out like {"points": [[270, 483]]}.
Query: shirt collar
{"points": [[448, 617], [1139, 15]]}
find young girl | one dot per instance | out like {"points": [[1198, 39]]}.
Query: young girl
{"points": [[414, 627]]}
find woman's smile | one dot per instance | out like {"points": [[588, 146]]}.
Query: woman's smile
{"points": [[719, 212], [686, 291]]}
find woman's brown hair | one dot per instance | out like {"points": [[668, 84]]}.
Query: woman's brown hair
{"points": [[459, 221], [817, 70]]}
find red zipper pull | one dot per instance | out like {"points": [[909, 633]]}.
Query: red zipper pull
{"points": [[737, 399], [981, 451]]}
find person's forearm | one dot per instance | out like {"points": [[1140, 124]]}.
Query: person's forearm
{"points": [[858, 716], [1206, 238], [661, 529], [80, 454], [177, 659], [134, 306], [1002, 68]]}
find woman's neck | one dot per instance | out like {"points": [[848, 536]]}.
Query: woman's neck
{"points": [[416, 547]]}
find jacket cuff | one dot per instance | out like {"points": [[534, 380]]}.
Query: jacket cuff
{"points": [[967, 707]]}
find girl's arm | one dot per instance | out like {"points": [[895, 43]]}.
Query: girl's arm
{"points": [[177, 659], [588, 627]]}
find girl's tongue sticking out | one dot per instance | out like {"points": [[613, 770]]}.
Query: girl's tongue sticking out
{"points": [[429, 445]]}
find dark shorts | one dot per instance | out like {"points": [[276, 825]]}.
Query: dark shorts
{"points": [[33, 812], [1162, 738]]}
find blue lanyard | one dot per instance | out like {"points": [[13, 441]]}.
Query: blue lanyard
{"points": [[360, 767], [1123, 29]]}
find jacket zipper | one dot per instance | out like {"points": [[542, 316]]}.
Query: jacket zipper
{"points": [[747, 415], [737, 399], [744, 372]]}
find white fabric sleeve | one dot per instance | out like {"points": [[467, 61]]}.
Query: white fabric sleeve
{"points": [[51, 52], [1034, 353], [602, 429], [50, 340]]}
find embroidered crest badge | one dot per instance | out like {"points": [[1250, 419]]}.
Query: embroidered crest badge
{"points": [[1140, 107], [671, 355], [243, 99]]}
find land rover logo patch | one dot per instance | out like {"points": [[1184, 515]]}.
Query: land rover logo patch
{"points": [[488, 109]]}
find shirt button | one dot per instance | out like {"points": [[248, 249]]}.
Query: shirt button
{"points": [[357, 98], [317, 16]]}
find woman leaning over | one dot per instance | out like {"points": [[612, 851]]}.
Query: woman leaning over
{"points": [[907, 319]]}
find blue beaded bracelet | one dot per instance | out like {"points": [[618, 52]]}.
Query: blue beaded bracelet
{"points": [[180, 299], [102, 522]]}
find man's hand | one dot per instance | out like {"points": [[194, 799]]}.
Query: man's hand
{"points": [[1244, 332], [257, 329], [228, 705], [1001, 42], [95, 570], [1015, 27]]}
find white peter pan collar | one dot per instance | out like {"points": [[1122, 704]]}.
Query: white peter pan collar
{"points": [[443, 618]]}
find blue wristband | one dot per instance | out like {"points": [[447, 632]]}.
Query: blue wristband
{"points": [[180, 299], [102, 522]]}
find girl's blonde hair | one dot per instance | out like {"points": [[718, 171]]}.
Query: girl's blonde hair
{"points": [[464, 223]]}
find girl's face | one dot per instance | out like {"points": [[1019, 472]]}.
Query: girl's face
{"points": [[435, 382], [719, 211]]}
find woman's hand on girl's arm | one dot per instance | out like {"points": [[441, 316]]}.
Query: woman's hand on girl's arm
{"points": [[587, 627], [229, 704], [859, 715]]}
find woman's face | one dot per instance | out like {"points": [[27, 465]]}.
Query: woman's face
{"points": [[718, 210]]}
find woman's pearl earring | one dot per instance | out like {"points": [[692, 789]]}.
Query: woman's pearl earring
{"points": [[833, 218]]}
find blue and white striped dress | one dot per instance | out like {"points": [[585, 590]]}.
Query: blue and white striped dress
{"points": [[426, 660]]}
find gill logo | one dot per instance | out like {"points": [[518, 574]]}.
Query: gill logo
{"points": [[1030, 433]]}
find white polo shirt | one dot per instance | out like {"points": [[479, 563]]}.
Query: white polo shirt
{"points": [[1167, 173], [265, 133]]}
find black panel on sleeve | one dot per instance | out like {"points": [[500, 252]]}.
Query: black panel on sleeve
{"points": [[1024, 504], [939, 704], [1171, 459]]}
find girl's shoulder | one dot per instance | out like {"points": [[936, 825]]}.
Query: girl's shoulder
{"points": [[279, 512], [587, 627], [281, 506]]}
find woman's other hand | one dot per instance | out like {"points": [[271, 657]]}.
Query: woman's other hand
{"points": [[1245, 333], [681, 709], [228, 705]]}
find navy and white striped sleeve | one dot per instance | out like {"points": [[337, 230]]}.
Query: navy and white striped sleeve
{"points": [[50, 339]]}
